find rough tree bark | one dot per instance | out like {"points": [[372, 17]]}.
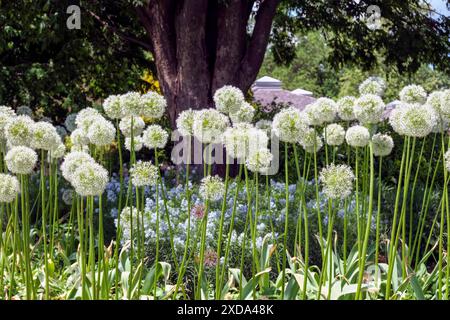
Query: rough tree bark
{"points": [[202, 45]]}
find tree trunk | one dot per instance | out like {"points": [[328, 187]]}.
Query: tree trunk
{"points": [[202, 45]]}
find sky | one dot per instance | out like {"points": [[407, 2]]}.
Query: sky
{"points": [[440, 6]]}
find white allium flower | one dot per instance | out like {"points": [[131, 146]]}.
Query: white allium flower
{"points": [[395, 118], [185, 122], [289, 125], [21, 160], [9, 188], [131, 103], [58, 151], [244, 114], [125, 126], [153, 105], [257, 139], [212, 188], [447, 160], [372, 85], [434, 100], [90, 179], [228, 99], [382, 145], [369, 109], [44, 136], [137, 141], [6, 114], [86, 117], [413, 94], [128, 219], [323, 110], [79, 138], [259, 161], [209, 125], [101, 133], [265, 125], [144, 173], [415, 120], [113, 108], [445, 104], [345, 108], [311, 141], [235, 139], [337, 181], [72, 161], [155, 137], [357, 136], [70, 123], [334, 134], [19, 130]]}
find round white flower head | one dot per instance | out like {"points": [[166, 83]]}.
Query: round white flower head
{"points": [[79, 138], [372, 85], [137, 141], [357, 136], [44, 136], [259, 161], [311, 141], [72, 161], [236, 140], [257, 139], [212, 188], [101, 133], [382, 145], [90, 179], [228, 99], [185, 122], [131, 103], [70, 123], [153, 105], [25, 111], [445, 104], [58, 151], [334, 134], [413, 120], [21, 160], [337, 181], [86, 117], [19, 130], [144, 173], [345, 108], [155, 137], [447, 160], [434, 100], [125, 126], [265, 125], [369, 109], [209, 125], [113, 108], [289, 125], [9, 188], [245, 113], [128, 220], [6, 114], [323, 110], [413, 94]]}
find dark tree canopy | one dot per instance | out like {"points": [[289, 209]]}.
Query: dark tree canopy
{"points": [[194, 46]]}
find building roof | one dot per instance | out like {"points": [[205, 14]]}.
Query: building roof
{"points": [[267, 90]]}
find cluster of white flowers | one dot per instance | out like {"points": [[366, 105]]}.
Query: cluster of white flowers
{"points": [[323, 110], [6, 114], [72, 161], [228, 99], [369, 109], [413, 94], [90, 179], [212, 188], [131, 125], [153, 105], [9, 188], [209, 125], [21, 160], [144, 173], [447, 160], [19, 130], [236, 140], [155, 137], [245, 113], [334, 134], [345, 108], [382, 144], [413, 120], [435, 100], [357, 136], [112, 107], [101, 133], [311, 141], [138, 143], [130, 103], [372, 85], [185, 122], [289, 125], [259, 161], [337, 181]]}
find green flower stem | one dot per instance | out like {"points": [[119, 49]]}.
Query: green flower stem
{"points": [[286, 219], [44, 227], [377, 232]]}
